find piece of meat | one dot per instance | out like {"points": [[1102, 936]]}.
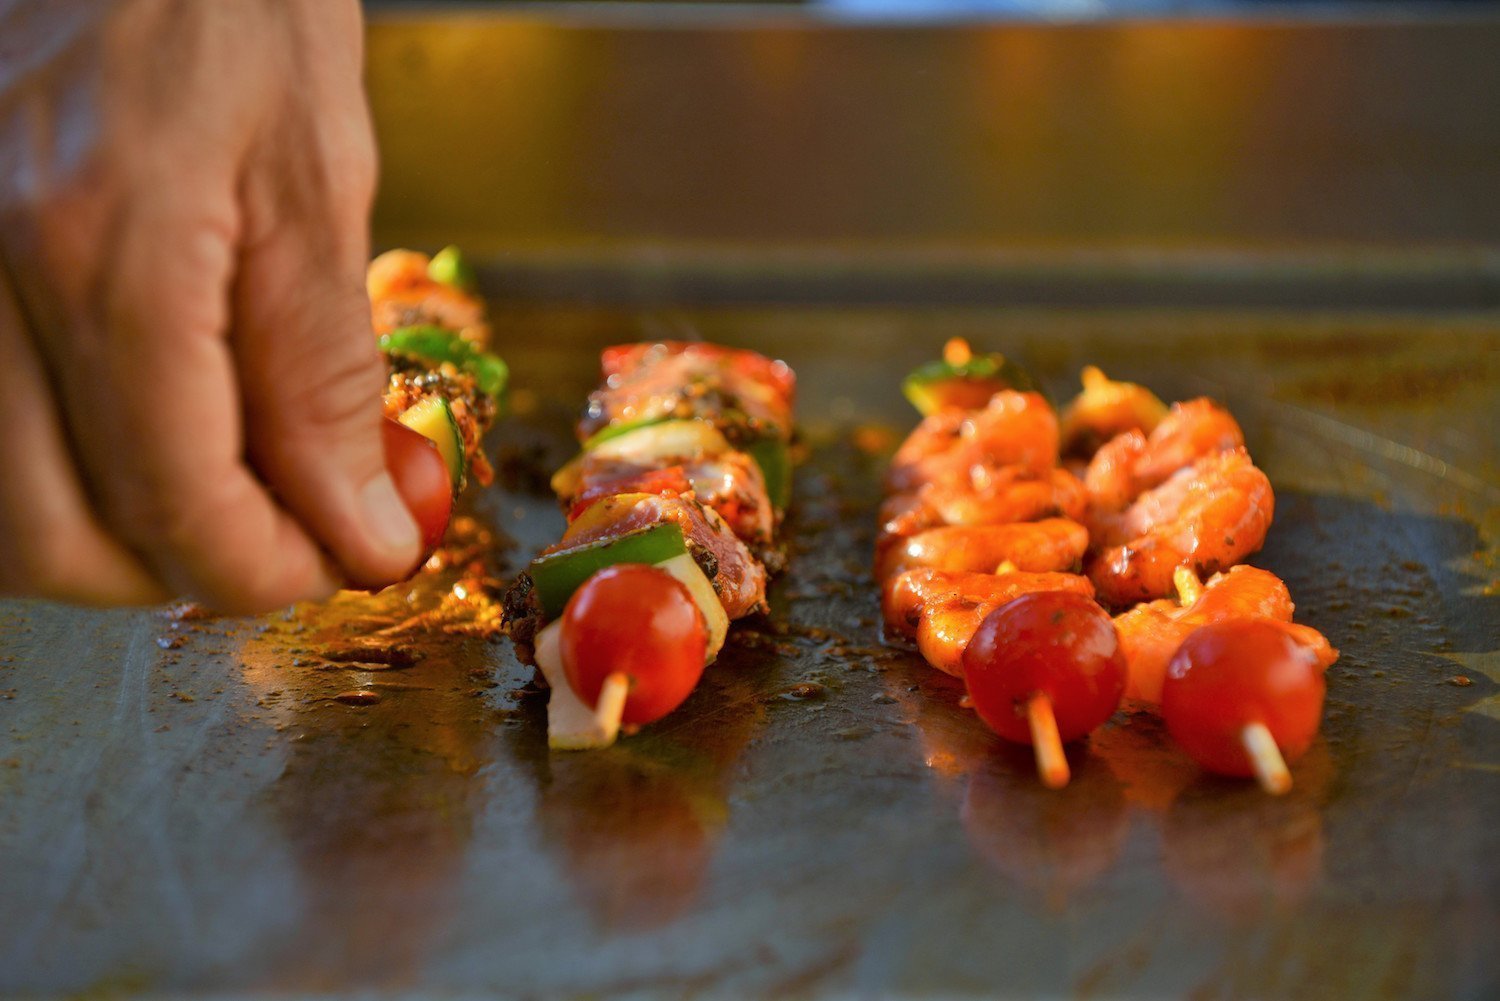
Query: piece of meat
{"points": [[742, 393], [412, 380], [622, 360], [738, 579], [730, 483]]}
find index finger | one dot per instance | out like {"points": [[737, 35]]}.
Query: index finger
{"points": [[151, 399]]}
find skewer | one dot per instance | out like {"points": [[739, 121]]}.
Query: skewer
{"points": [[1006, 566], [1051, 763], [1189, 587], [1265, 756], [611, 704]]}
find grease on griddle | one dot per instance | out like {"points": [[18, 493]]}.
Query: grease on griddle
{"points": [[804, 691]]}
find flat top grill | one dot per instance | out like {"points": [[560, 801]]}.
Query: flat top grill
{"points": [[212, 816], [1297, 219]]}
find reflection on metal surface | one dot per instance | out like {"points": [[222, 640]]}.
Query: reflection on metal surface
{"points": [[587, 139]]}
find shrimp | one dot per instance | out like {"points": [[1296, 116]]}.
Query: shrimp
{"points": [[1151, 633], [945, 631], [1131, 463], [403, 294], [1014, 429], [992, 496], [1210, 515], [1106, 408], [942, 609], [1036, 547]]}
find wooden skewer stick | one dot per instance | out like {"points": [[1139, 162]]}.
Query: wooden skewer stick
{"points": [[1006, 566], [611, 704], [1189, 587], [1265, 757], [1051, 763]]}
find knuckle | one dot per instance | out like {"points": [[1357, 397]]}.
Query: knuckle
{"points": [[194, 538], [151, 519], [349, 167], [354, 170], [352, 195], [334, 386]]}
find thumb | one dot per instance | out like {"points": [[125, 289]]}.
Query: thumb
{"points": [[311, 379]]}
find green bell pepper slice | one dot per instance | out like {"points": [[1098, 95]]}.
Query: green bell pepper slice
{"points": [[775, 461], [962, 379], [556, 576], [450, 267], [437, 345]]}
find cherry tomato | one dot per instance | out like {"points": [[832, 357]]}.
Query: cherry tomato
{"points": [[1056, 643], [1227, 675], [422, 480], [641, 621]]}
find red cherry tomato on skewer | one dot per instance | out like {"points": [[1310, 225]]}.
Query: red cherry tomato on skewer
{"points": [[1043, 669], [422, 480], [638, 623], [1243, 697]]}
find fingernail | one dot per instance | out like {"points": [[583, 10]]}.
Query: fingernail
{"points": [[387, 517]]}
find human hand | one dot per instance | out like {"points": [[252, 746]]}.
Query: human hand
{"points": [[189, 385]]}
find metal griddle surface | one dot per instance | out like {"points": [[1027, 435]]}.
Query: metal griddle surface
{"points": [[209, 818]]}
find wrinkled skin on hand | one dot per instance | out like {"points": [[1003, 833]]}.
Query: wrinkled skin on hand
{"points": [[192, 389]]}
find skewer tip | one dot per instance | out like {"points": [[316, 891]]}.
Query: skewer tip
{"points": [[611, 704], [1051, 762], [1265, 758]]}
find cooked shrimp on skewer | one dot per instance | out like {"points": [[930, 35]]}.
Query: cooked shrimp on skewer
{"points": [[1014, 429], [941, 609], [987, 496], [904, 596], [404, 294], [1036, 546], [950, 607], [1106, 408], [1131, 463], [1208, 516], [1150, 633]]}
